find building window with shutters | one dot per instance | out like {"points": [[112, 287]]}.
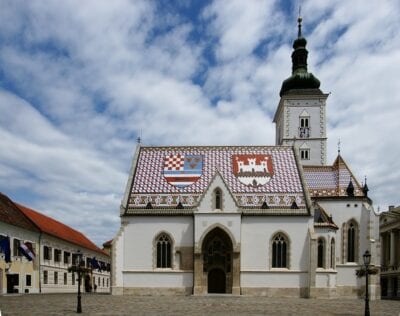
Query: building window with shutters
{"points": [[45, 277], [163, 251], [57, 255], [46, 253], [16, 249]]}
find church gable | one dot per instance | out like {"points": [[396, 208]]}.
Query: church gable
{"points": [[177, 177], [217, 197], [327, 181]]}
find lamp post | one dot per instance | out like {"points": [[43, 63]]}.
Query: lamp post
{"points": [[78, 265], [367, 261]]}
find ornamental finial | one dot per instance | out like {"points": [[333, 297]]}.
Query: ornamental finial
{"points": [[299, 19]]}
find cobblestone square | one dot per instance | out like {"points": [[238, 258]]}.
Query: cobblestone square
{"points": [[97, 304]]}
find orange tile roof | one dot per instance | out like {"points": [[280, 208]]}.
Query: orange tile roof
{"points": [[55, 228], [11, 214]]}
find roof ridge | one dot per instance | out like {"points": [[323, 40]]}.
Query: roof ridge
{"points": [[58, 229]]}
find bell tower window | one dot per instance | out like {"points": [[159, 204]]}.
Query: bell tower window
{"points": [[304, 125], [305, 154]]}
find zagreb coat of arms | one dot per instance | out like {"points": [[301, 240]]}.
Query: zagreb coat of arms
{"points": [[182, 170], [254, 170]]}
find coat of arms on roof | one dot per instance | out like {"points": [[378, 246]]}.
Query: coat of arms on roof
{"points": [[254, 170], [182, 170]]}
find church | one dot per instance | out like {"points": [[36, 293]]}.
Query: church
{"points": [[272, 221]]}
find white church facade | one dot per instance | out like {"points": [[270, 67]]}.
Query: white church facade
{"points": [[248, 220]]}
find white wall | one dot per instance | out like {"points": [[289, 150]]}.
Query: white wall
{"points": [[167, 279], [277, 279], [140, 233], [257, 232]]}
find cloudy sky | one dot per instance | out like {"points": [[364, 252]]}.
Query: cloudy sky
{"points": [[81, 80]]}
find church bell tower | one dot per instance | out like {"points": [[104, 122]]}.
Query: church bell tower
{"points": [[300, 117]]}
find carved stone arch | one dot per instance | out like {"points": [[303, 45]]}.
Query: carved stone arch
{"points": [[155, 241], [217, 259], [288, 247], [235, 245]]}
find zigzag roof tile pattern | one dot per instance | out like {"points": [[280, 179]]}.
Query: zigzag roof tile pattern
{"points": [[331, 181], [151, 185]]}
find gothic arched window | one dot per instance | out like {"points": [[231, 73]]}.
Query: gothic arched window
{"points": [[164, 251], [351, 242], [218, 199], [279, 251], [332, 265], [321, 253]]}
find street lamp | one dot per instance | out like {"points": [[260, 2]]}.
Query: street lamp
{"points": [[367, 261], [78, 265]]}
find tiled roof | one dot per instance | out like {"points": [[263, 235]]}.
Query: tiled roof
{"points": [[11, 214], [59, 230], [321, 218], [150, 184], [331, 181], [108, 243]]}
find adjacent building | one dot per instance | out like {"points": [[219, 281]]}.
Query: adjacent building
{"points": [[51, 248], [253, 220], [390, 259]]}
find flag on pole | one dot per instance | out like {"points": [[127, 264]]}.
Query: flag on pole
{"points": [[27, 251], [95, 263], [5, 248]]}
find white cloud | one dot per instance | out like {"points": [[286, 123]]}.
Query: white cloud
{"points": [[81, 79]]}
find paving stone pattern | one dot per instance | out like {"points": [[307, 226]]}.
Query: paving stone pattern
{"points": [[97, 304]]}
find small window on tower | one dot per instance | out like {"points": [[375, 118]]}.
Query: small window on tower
{"points": [[305, 154], [304, 122], [304, 128]]}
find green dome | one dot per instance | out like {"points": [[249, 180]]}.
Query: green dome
{"points": [[300, 80]]}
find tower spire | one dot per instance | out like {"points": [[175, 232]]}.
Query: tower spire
{"points": [[301, 78], [299, 20]]}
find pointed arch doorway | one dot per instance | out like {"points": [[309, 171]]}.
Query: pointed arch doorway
{"points": [[217, 261]]}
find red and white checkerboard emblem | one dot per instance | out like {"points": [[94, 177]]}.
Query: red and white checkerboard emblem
{"points": [[174, 162], [182, 170]]}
